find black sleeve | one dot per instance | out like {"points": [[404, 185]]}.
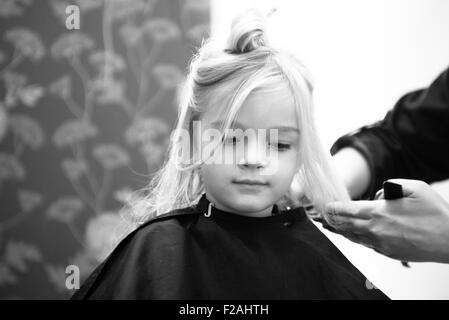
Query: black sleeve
{"points": [[411, 142]]}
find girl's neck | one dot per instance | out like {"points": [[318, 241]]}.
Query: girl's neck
{"points": [[257, 214]]}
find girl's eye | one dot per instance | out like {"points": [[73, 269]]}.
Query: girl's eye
{"points": [[280, 146]]}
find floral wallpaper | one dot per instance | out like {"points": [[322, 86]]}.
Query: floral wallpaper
{"points": [[85, 116]]}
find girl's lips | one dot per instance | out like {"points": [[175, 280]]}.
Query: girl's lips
{"points": [[250, 187], [250, 182]]}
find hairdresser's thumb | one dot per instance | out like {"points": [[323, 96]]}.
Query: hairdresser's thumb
{"points": [[331, 208]]}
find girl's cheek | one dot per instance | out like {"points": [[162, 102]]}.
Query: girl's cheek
{"points": [[289, 160]]}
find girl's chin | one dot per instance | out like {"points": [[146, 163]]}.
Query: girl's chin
{"points": [[249, 203]]}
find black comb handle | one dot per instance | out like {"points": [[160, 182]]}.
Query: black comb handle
{"points": [[393, 191]]}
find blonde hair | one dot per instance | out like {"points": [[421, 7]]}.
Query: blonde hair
{"points": [[225, 77]]}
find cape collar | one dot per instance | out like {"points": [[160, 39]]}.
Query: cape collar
{"points": [[203, 207]]}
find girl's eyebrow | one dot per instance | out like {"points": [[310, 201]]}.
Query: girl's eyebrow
{"points": [[286, 129], [219, 124]]}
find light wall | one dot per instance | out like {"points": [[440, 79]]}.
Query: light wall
{"points": [[363, 55]]}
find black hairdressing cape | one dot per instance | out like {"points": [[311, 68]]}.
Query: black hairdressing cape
{"points": [[186, 255]]}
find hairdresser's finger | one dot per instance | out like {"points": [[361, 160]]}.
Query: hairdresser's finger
{"points": [[352, 209], [348, 224], [379, 194], [410, 188], [362, 239]]}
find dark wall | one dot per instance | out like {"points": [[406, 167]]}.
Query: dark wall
{"points": [[85, 117]]}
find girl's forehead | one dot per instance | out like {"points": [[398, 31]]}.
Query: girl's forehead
{"points": [[273, 108]]}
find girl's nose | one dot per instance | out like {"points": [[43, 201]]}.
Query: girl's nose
{"points": [[243, 163], [254, 157]]}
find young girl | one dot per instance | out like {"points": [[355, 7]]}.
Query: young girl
{"points": [[233, 229]]}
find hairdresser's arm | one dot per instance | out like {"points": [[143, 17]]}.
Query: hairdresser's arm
{"points": [[410, 142], [354, 170]]}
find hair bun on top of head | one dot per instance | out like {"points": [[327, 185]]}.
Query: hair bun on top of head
{"points": [[248, 32]]}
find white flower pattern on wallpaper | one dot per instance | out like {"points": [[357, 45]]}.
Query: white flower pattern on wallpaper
{"points": [[65, 209], [18, 254], [74, 168], [110, 91], [27, 130], [13, 7], [111, 156], [97, 105], [62, 87], [16, 259], [73, 131], [106, 59], [71, 45], [27, 43], [10, 168], [120, 10], [17, 90], [130, 34], [168, 76], [29, 200], [161, 29]]}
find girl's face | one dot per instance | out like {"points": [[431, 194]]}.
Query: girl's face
{"points": [[257, 179]]}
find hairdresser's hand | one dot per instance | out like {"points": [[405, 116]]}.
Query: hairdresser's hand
{"points": [[413, 228]]}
